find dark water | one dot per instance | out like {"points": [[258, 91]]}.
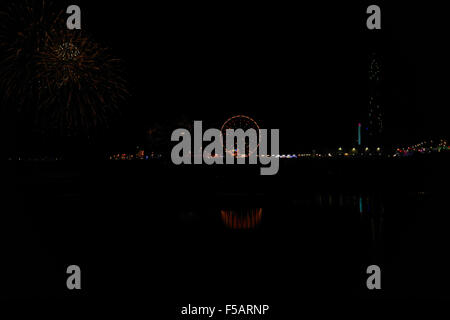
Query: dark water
{"points": [[203, 236]]}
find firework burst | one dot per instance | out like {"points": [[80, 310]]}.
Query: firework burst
{"points": [[63, 76], [21, 37], [80, 83]]}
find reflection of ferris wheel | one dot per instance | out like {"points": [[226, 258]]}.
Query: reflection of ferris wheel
{"points": [[244, 123]]}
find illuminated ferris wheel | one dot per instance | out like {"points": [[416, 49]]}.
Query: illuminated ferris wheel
{"points": [[244, 123]]}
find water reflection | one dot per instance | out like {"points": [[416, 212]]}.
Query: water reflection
{"points": [[369, 206], [364, 203], [248, 218]]}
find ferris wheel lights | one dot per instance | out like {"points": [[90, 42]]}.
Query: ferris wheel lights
{"points": [[223, 146]]}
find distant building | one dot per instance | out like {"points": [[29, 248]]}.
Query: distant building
{"points": [[374, 127], [140, 154]]}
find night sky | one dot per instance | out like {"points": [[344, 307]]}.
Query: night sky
{"points": [[303, 69]]}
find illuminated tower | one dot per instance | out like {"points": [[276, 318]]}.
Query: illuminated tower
{"points": [[375, 113], [359, 134]]}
